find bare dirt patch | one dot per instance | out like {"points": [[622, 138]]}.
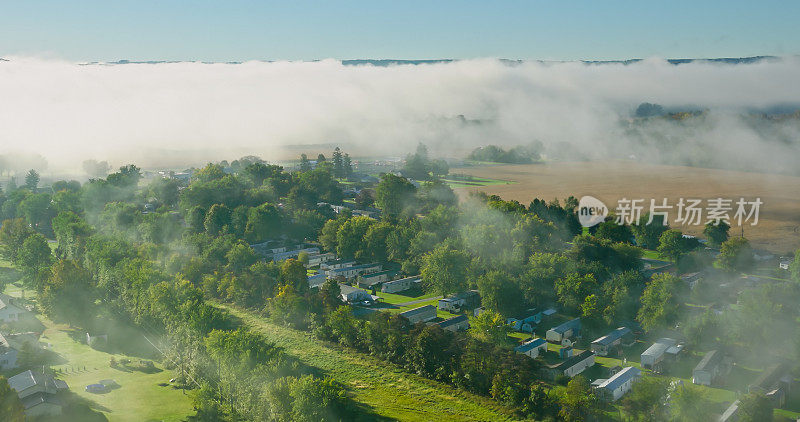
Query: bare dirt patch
{"points": [[778, 229]]}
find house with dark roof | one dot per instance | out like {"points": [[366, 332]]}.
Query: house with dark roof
{"points": [[565, 331], [456, 323], [348, 273], [350, 294], [712, 366], [525, 321], [532, 348], [655, 354], [368, 281], [11, 345], [612, 341], [421, 314], [620, 383], [574, 365]]}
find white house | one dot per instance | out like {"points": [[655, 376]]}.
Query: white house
{"points": [[10, 311], [354, 271], [454, 303], [564, 331], [619, 384], [575, 365], [710, 368], [654, 354], [399, 285], [532, 348], [350, 294]]}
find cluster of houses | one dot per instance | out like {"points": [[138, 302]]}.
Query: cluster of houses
{"points": [[40, 393]]}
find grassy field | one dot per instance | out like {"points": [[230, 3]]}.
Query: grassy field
{"points": [[386, 389], [474, 181], [609, 181], [139, 398]]}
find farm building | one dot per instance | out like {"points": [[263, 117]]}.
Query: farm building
{"points": [[10, 310], [464, 300], [421, 314], [348, 273], [574, 365], [38, 392], [620, 383], [400, 285], [368, 281], [525, 321], [532, 348], [712, 366], [564, 331], [612, 341], [655, 354], [350, 294], [456, 323]]}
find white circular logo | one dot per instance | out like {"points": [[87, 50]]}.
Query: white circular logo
{"points": [[591, 211]]}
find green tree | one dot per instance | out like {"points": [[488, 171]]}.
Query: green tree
{"points": [[578, 402], [689, 403], [489, 327], [293, 273], [68, 295], [647, 235], [34, 260], [350, 238], [11, 407], [592, 311], [660, 301], [32, 180], [646, 400], [573, 289], [672, 244], [613, 231], [500, 292], [716, 234], [736, 254], [394, 194], [444, 270], [305, 165], [264, 222], [217, 219]]}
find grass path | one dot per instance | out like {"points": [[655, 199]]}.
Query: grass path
{"points": [[385, 388]]}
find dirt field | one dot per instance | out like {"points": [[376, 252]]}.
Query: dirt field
{"points": [[778, 229]]}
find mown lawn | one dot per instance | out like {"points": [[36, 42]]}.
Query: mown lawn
{"points": [[386, 389], [139, 397]]}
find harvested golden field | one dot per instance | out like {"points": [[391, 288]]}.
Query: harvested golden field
{"points": [[778, 228]]}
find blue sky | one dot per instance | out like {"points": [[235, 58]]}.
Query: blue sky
{"points": [[237, 30]]}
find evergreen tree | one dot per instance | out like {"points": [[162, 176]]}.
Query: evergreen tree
{"points": [[305, 165]]}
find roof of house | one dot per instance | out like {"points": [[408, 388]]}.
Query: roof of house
{"points": [[415, 278], [530, 345], [770, 376], [612, 336], [659, 347], [421, 309], [453, 321], [571, 324], [549, 311], [621, 377], [574, 360], [709, 361], [40, 398], [28, 379], [376, 274], [346, 289], [6, 300], [355, 267]]}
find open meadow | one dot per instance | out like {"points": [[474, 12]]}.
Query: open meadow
{"points": [[778, 228]]}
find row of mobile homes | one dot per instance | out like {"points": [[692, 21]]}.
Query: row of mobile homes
{"points": [[349, 273], [372, 280]]}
